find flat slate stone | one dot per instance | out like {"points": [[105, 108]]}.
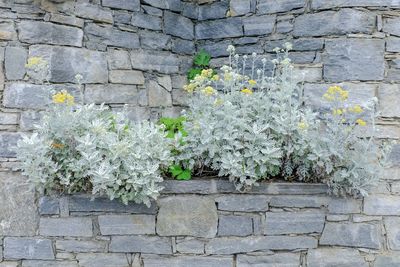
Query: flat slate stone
{"points": [[392, 226], [159, 61], [142, 244], [230, 225], [242, 203], [299, 201], [259, 25], [109, 36], [382, 205], [94, 12], [329, 257], [325, 4], [49, 206], [268, 6], [234, 245], [279, 259], [185, 261], [8, 142], [359, 235], [187, 216], [15, 60], [28, 248], [354, 59], [391, 260], [39, 32], [40, 263], [66, 62], [81, 245], [177, 25], [131, 5], [223, 28], [278, 223], [127, 224], [111, 93], [102, 259], [71, 226], [84, 203]]}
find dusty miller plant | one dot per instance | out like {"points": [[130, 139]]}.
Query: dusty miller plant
{"points": [[250, 126], [87, 148]]}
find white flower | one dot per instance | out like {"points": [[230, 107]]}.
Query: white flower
{"points": [[275, 61], [231, 49], [288, 46], [286, 61], [254, 54], [276, 49]]}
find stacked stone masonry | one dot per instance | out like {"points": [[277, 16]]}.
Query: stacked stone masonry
{"points": [[208, 223], [136, 53]]}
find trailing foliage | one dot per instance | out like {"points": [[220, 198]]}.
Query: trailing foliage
{"points": [[88, 148], [175, 131], [251, 127], [201, 61]]}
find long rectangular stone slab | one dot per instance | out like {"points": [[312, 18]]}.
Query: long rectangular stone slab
{"points": [[184, 261], [278, 223], [72, 226], [127, 224], [28, 248], [227, 245], [142, 244]]}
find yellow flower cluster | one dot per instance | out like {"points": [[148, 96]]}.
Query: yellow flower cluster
{"points": [[356, 109], [336, 93], [302, 125], [207, 73], [252, 82], [63, 97], [361, 122], [246, 91], [209, 91], [339, 111]]}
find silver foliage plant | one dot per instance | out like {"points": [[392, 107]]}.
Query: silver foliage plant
{"points": [[88, 148], [250, 126]]}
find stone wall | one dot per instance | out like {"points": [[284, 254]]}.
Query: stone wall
{"points": [[136, 52], [207, 223]]}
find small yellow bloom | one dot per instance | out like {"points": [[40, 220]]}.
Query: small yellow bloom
{"points": [[252, 82], [227, 76], [209, 91], [361, 122], [356, 109], [302, 125], [189, 87], [215, 77], [336, 93], [339, 111], [63, 97], [246, 91], [207, 73], [218, 102]]}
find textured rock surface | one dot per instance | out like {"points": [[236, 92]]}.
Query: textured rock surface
{"points": [[192, 216], [326, 257]]}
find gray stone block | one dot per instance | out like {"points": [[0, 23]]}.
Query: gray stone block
{"points": [[223, 28], [8, 144], [177, 25], [279, 259], [49, 206], [279, 223], [392, 26], [233, 245], [94, 12], [393, 44], [66, 62], [354, 59], [239, 7], [126, 77], [387, 95], [15, 59], [28, 119], [72, 226], [215, 10], [382, 205], [132, 5], [180, 46], [81, 246], [242, 203], [184, 261], [127, 224], [391, 260], [392, 226], [111, 93], [8, 118], [28, 248], [190, 216], [190, 10], [146, 21], [230, 225], [7, 30], [102, 259], [359, 235], [344, 205], [189, 245], [157, 3], [259, 25], [299, 201], [334, 23], [328, 257], [67, 20], [38, 32], [158, 95], [86, 204], [154, 40], [142, 244], [57, 263], [162, 62], [118, 59], [325, 4], [268, 6], [109, 36]]}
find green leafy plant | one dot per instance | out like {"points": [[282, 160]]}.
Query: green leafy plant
{"points": [[200, 62], [175, 130]]}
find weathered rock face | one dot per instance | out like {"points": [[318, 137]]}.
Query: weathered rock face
{"points": [[191, 216]]}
